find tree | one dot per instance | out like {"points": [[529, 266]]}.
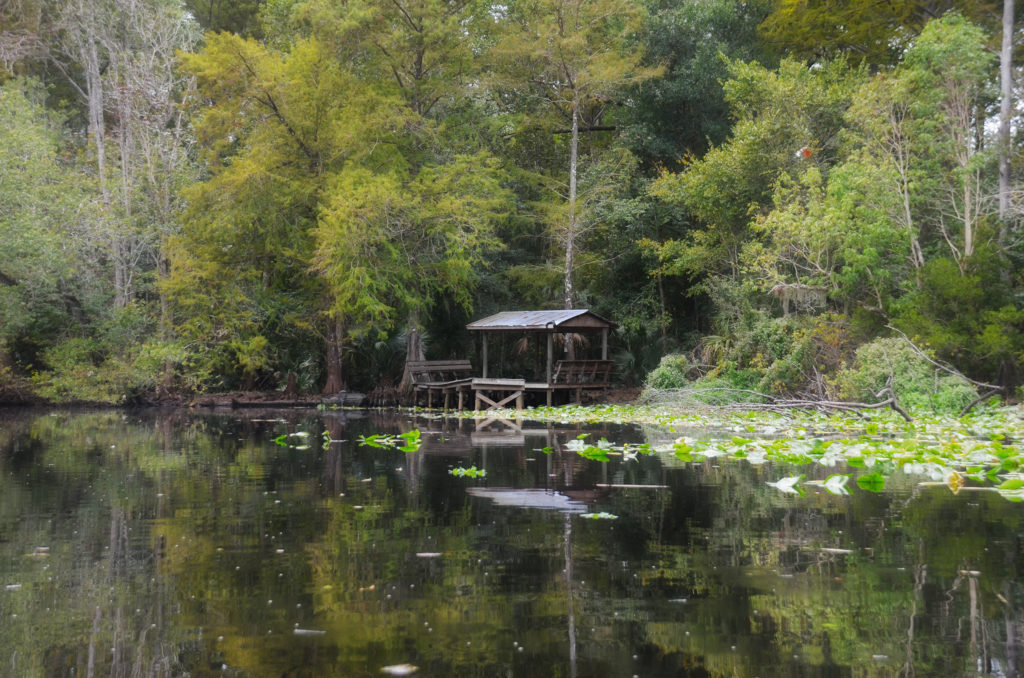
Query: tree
{"points": [[234, 16], [46, 280], [426, 56], [681, 112], [393, 242], [1005, 111], [838, 237], [864, 31], [125, 50], [785, 120], [329, 211], [948, 72], [243, 293], [571, 57]]}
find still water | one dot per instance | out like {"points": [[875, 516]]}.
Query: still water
{"points": [[177, 543]]}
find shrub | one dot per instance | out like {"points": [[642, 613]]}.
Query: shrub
{"points": [[78, 372], [670, 372], [916, 382]]}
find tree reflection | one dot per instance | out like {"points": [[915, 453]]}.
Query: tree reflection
{"points": [[185, 543]]}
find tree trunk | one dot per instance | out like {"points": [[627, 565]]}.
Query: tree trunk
{"points": [[1005, 111], [166, 319], [570, 235], [663, 316], [335, 358], [413, 351], [97, 128]]}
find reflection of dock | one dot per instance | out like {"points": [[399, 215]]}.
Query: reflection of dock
{"points": [[460, 437]]}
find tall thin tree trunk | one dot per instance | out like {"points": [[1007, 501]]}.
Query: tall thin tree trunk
{"points": [[123, 259], [1005, 110], [570, 236], [663, 318], [969, 219], [166, 316], [94, 92]]}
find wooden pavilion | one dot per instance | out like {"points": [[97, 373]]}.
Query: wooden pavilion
{"points": [[562, 375], [455, 377]]}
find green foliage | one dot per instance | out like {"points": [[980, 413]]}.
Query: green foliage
{"points": [[840, 237], [377, 164], [966, 318], [82, 370], [670, 373], [770, 355], [234, 16], [389, 244], [682, 111], [405, 442], [471, 472], [48, 284], [916, 382], [861, 30], [777, 113]]}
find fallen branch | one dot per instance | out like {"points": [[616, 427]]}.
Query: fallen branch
{"points": [[775, 404], [980, 399], [945, 368]]}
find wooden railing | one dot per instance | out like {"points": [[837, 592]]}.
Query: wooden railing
{"points": [[440, 376], [581, 374]]}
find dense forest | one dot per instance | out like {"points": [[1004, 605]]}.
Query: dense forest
{"points": [[774, 195]]}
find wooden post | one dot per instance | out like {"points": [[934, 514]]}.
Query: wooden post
{"points": [[484, 375], [547, 379], [551, 350], [604, 344]]}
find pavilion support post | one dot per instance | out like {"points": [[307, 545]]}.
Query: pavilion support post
{"points": [[551, 350], [604, 344], [484, 360]]}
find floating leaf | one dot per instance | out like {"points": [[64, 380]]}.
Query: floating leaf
{"points": [[788, 484], [599, 516], [836, 484], [874, 482], [593, 453], [471, 472], [406, 442]]}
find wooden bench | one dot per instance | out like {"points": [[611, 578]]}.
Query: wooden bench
{"points": [[578, 375], [443, 377]]}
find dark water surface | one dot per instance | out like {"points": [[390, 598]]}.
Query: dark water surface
{"points": [[180, 543]]}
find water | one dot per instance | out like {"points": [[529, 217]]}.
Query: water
{"points": [[178, 543]]}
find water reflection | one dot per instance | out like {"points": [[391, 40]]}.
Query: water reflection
{"points": [[174, 543]]}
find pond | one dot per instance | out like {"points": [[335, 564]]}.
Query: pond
{"points": [[274, 543]]}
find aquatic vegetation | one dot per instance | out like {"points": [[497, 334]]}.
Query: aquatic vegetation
{"points": [[788, 484], [984, 448], [603, 515], [471, 472], [406, 442], [834, 484], [295, 441]]}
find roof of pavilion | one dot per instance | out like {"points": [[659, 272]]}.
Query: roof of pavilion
{"points": [[567, 320]]}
